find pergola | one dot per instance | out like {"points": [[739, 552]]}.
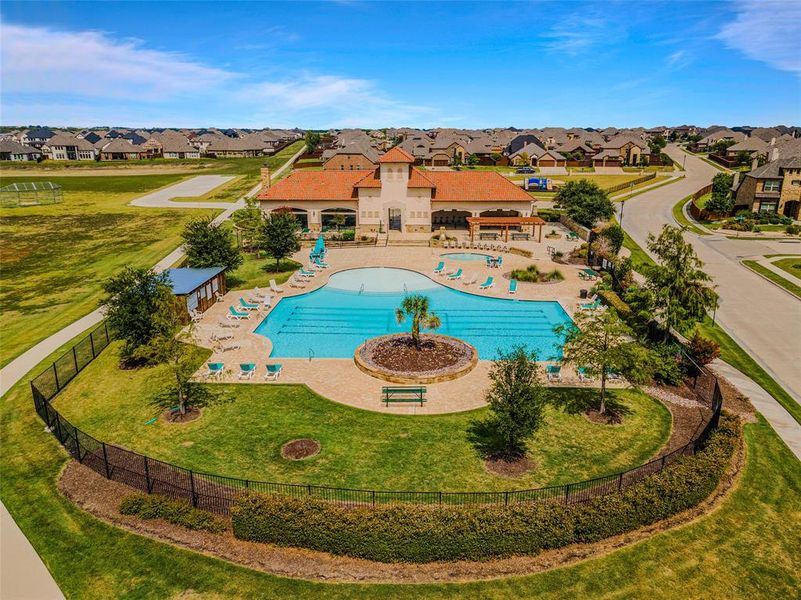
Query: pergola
{"points": [[476, 223]]}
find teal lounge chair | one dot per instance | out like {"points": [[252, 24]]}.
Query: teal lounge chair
{"points": [[456, 275], [440, 268], [554, 372], [591, 305], [513, 286], [583, 374], [304, 273], [490, 282], [233, 313], [246, 370], [273, 372], [321, 263], [214, 370], [248, 305]]}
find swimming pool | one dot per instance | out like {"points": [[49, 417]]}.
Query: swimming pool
{"points": [[467, 256], [359, 304]]}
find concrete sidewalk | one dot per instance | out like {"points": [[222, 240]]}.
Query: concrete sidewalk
{"points": [[197, 186]]}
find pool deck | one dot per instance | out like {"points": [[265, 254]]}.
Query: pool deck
{"points": [[338, 378]]}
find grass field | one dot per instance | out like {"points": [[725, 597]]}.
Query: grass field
{"points": [[56, 256], [791, 287], [257, 272], [242, 435], [791, 265], [748, 549]]}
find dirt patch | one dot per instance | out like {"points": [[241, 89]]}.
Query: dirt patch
{"points": [[174, 416], [735, 402], [300, 449], [609, 417], [101, 498], [509, 467]]}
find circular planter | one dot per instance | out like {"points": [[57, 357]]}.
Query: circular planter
{"points": [[373, 357], [300, 449]]}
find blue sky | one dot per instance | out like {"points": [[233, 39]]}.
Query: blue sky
{"points": [[420, 64]]}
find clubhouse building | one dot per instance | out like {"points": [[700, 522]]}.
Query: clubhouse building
{"points": [[395, 196]]}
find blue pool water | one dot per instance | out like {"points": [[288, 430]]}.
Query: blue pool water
{"points": [[466, 256], [359, 304]]}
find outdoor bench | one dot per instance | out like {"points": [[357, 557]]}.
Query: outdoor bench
{"points": [[403, 394]]}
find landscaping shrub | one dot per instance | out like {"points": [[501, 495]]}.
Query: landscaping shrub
{"points": [[703, 349], [177, 512], [610, 298], [398, 533], [532, 274], [668, 364], [793, 229]]}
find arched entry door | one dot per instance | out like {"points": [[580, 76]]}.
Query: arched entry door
{"points": [[394, 219]]}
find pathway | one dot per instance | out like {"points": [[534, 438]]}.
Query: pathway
{"points": [[25, 575], [191, 188]]}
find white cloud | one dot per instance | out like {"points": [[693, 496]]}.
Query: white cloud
{"points": [[677, 60], [579, 33], [767, 31]]}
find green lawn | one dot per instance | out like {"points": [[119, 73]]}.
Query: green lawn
{"points": [[56, 256], [678, 214], [242, 436], [257, 272], [791, 287], [748, 549], [791, 265]]}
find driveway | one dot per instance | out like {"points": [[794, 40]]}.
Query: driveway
{"points": [[763, 319]]}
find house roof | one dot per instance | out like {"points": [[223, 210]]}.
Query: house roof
{"points": [[752, 144], [417, 179], [62, 139], [459, 186], [315, 185], [13, 147], [396, 155], [185, 281], [120, 145], [621, 140], [773, 169]]}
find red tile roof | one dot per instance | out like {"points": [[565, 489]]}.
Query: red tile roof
{"points": [[397, 155], [458, 186], [417, 179], [315, 185]]}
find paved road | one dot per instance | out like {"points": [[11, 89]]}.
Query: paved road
{"points": [[763, 319], [191, 188], [24, 575]]}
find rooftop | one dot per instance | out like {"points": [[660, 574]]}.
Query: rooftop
{"points": [[185, 280]]}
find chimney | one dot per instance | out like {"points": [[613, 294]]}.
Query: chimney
{"points": [[265, 176], [754, 163], [774, 155], [773, 141]]}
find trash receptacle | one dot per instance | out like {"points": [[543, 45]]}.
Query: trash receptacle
{"points": [[583, 293]]}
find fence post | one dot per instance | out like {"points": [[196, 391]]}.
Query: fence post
{"points": [[55, 376], [567, 492], [662, 468], [147, 476], [75, 359], [620, 482], [105, 327], [440, 498], [192, 484], [373, 494], [92, 344], [58, 430], [105, 460], [308, 489], [506, 498]]}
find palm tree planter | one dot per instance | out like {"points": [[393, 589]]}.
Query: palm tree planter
{"points": [[416, 308]]}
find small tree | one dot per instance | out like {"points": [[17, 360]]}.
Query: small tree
{"points": [[677, 284], [210, 245], [614, 233], [473, 160], [337, 221], [130, 301], [585, 202], [495, 156], [703, 349], [525, 158], [516, 399], [598, 342], [312, 141], [279, 235], [720, 200], [416, 308]]}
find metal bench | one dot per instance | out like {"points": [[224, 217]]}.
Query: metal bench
{"points": [[403, 393]]}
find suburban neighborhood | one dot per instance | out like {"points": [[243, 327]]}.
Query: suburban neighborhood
{"points": [[403, 300]]}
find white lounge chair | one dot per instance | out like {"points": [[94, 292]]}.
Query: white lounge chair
{"points": [[297, 283], [225, 347], [274, 287], [246, 370], [221, 337], [273, 372], [228, 324], [471, 280]]}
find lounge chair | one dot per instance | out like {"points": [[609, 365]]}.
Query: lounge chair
{"points": [[273, 372], [490, 282], [321, 263], [583, 375], [228, 324], [247, 305], [440, 268], [221, 337], [214, 370], [228, 346], [246, 370], [297, 283], [274, 287], [260, 294], [554, 372], [455, 275], [590, 305], [513, 286], [499, 262], [471, 280], [613, 376], [195, 316], [219, 297], [307, 274], [233, 313]]}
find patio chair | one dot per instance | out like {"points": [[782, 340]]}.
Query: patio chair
{"points": [[455, 275], [613, 376], [499, 262], [273, 372], [590, 305], [583, 375], [228, 324], [225, 347], [307, 274], [214, 370], [260, 294], [233, 313], [274, 287], [490, 282], [513, 286], [246, 370], [297, 283], [247, 305], [554, 372], [471, 280], [219, 297], [440, 268], [221, 337], [195, 316], [321, 263]]}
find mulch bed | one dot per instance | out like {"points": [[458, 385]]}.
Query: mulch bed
{"points": [[607, 418], [300, 449], [508, 467], [398, 355], [191, 414]]}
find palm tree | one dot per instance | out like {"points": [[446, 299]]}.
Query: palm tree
{"points": [[415, 307]]}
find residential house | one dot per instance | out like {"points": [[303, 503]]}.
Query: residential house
{"points": [[37, 136], [625, 149], [753, 146], [773, 188], [67, 147], [395, 196], [357, 156], [11, 150], [122, 149]]}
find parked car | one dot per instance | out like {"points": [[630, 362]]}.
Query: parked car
{"points": [[525, 170]]}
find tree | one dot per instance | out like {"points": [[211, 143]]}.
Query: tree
{"points": [[677, 283], [720, 201], [473, 160], [312, 141], [743, 158], [703, 349], [656, 144], [720, 146], [247, 222], [495, 156], [279, 234], [337, 220], [516, 399], [525, 158], [210, 245], [416, 308], [130, 302], [585, 202], [456, 159], [614, 233], [599, 342]]}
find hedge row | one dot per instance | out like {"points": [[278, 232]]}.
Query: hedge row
{"points": [[177, 512], [610, 298], [399, 533]]}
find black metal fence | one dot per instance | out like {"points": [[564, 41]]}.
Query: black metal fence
{"points": [[217, 494]]}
